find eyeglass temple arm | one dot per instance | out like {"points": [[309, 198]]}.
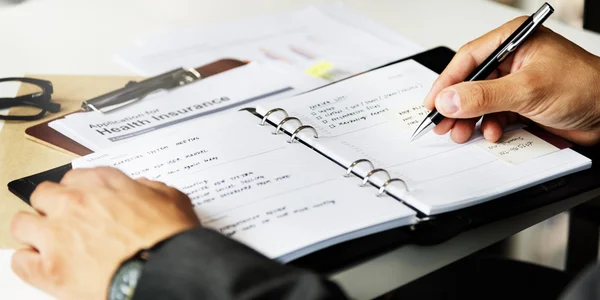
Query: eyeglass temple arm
{"points": [[35, 102]]}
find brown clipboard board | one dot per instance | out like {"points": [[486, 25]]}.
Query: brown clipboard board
{"points": [[44, 134]]}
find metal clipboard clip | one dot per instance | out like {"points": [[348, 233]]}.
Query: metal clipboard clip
{"points": [[136, 91]]}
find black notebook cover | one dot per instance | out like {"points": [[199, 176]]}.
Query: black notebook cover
{"points": [[436, 230]]}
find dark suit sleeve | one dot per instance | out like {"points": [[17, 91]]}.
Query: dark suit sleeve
{"points": [[586, 287], [203, 264]]}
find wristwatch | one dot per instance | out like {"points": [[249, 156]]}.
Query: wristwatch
{"points": [[125, 280]]}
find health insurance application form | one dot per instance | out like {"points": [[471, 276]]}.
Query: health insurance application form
{"points": [[232, 90]]}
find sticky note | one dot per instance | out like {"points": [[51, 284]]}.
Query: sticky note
{"points": [[407, 116], [319, 69], [517, 146]]}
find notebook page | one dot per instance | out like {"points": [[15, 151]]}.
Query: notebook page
{"points": [[240, 173], [11, 286], [364, 117], [317, 216]]}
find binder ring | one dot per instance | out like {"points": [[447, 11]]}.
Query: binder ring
{"points": [[302, 128], [277, 130], [385, 184], [366, 179], [355, 163], [262, 123]]}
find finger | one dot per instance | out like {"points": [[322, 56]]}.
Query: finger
{"points": [[30, 229], [51, 199], [470, 56], [463, 130], [493, 125], [430, 99], [444, 126], [161, 188], [157, 185], [477, 98], [97, 177], [43, 198], [447, 123], [79, 177], [27, 264]]}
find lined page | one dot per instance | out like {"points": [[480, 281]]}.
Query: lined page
{"points": [[255, 187], [11, 286], [373, 115], [316, 216]]}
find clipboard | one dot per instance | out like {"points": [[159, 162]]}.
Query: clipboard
{"points": [[44, 134]]}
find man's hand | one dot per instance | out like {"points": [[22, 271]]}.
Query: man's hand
{"points": [[88, 225], [548, 80]]}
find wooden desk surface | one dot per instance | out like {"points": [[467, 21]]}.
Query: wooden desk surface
{"points": [[20, 157]]}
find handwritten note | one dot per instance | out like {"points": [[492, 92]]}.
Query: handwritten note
{"points": [[517, 146], [311, 215], [210, 143], [270, 215], [225, 187], [408, 116], [360, 102]]}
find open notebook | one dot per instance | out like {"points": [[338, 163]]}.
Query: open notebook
{"points": [[297, 175]]}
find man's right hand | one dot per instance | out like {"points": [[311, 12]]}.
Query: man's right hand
{"points": [[548, 80]]}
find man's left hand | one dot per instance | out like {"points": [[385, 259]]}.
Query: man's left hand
{"points": [[88, 225]]}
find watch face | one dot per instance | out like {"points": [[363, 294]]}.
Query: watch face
{"points": [[125, 281]]}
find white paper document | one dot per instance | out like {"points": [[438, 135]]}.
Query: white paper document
{"points": [[232, 90], [11, 286], [360, 118], [330, 42]]}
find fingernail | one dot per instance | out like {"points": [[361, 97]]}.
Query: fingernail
{"points": [[447, 101]]}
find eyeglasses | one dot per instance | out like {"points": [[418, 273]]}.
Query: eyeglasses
{"points": [[35, 103]]}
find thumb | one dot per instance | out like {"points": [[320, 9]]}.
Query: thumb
{"points": [[477, 98]]}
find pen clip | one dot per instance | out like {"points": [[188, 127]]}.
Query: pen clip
{"points": [[513, 45], [136, 91], [536, 20]]}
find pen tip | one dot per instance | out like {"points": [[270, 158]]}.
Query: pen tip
{"points": [[414, 136]]}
